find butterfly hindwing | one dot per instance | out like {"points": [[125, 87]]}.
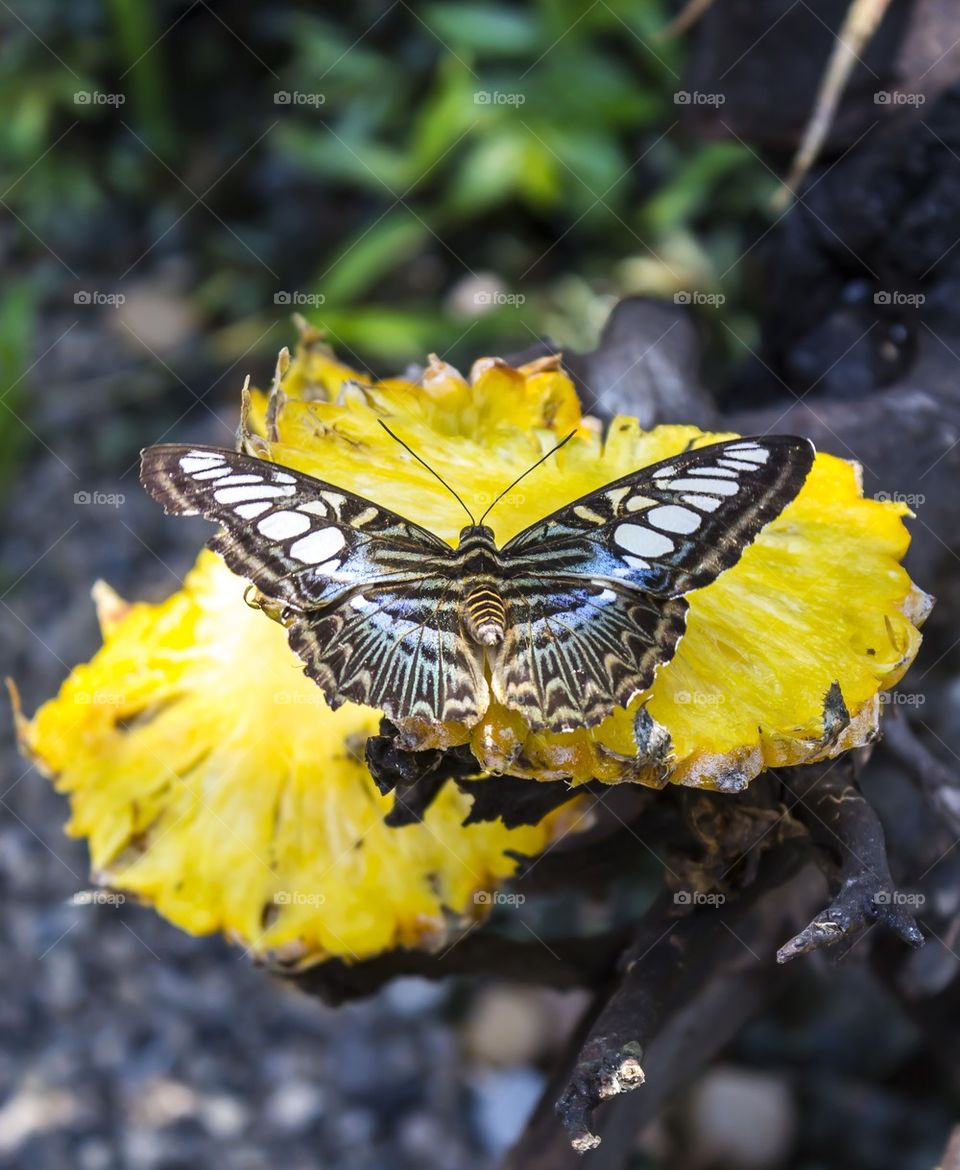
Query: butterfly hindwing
{"points": [[370, 601], [573, 652], [672, 527], [399, 648]]}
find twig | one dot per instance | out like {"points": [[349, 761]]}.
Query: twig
{"points": [[685, 19], [846, 827], [567, 963], [859, 25], [688, 985]]}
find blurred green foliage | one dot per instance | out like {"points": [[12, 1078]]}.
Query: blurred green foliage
{"points": [[455, 177], [17, 309]]}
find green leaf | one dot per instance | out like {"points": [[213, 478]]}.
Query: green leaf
{"points": [[370, 255], [691, 187], [488, 29], [17, 315]]}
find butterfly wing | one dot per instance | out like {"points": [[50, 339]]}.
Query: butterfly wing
{"points": [[399, 648], [594, 592], [573, 651], [672, 527], [368, 598]]}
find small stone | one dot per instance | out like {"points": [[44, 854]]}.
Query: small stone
{"points": [[741, 1119], [502, 1104], [293, 1107], [506, 1026], [223, 1116]]}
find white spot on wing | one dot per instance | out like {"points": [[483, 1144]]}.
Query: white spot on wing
{"points": [[752, 452], [283, 525], [637, 562], [722, 487], [237, 495], [740, 465], [236, 480], [318, 546], [315, 508], [249, 511], [673, 518], [218, 472], [199, 461], [282, 477], [704, 503], [635, 538], [722, 472]]}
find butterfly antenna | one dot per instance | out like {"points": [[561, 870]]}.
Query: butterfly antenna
{"points": [[436, 474], [510, 487]]}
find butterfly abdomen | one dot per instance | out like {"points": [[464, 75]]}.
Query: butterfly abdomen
{"points": [[485, 615]]}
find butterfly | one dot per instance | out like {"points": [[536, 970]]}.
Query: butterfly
{"points": [[568, 620]]}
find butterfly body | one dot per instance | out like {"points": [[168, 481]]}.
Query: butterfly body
{"points": [[569, 619]]}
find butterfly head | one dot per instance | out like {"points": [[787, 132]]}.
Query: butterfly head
{"points": [[475, 534]]}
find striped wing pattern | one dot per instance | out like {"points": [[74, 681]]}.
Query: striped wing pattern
{"points": [[571, 653], [370, 601], [591, 598], [399, 648]]}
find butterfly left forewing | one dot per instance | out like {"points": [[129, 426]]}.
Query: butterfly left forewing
{"points": [[299, 539], [367, 596]]}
